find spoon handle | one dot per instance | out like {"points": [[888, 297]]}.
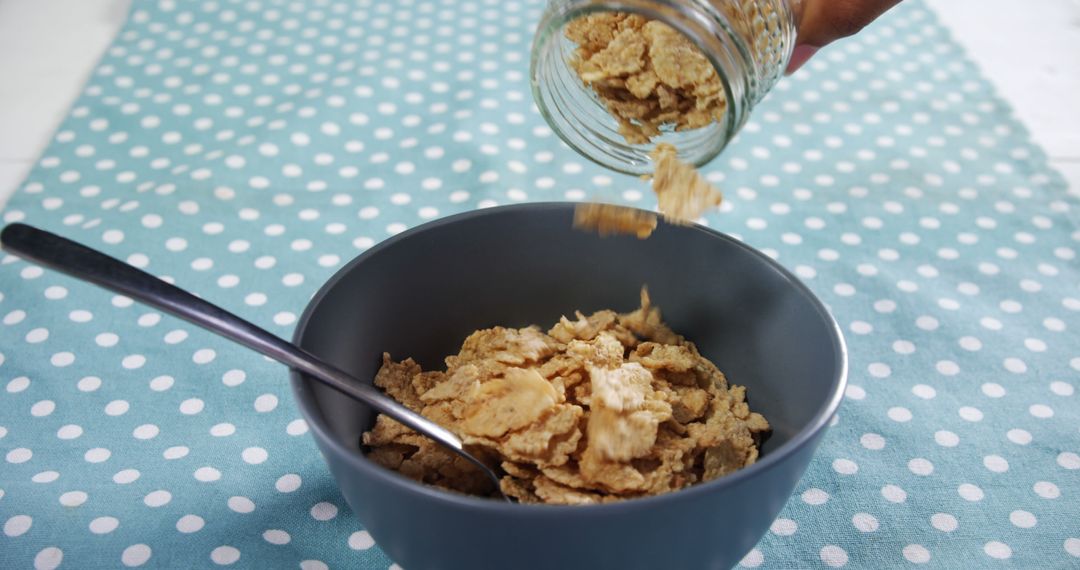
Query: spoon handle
{"points": [[86, 264]]}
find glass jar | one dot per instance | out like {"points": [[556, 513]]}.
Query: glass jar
{"points": [[748, 42]]}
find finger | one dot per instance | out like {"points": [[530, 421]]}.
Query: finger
{"points": [[825, 21]]}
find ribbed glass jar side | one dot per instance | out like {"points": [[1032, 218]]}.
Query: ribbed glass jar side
{"points": [[747, 41]]}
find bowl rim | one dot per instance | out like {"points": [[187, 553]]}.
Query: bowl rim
{"points": [[803, 437]]}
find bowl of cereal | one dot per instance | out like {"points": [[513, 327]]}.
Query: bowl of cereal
{"points": [[628, 436]]}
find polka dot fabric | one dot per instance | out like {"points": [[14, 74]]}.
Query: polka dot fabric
{"points": [[247, 149]]}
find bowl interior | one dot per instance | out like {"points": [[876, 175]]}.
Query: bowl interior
{"points": [[421, 293]]}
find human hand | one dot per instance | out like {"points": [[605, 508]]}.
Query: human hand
{"points": [[823, 21]]}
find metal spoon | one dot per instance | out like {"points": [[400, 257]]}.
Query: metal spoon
{"points": [[86, 264]]}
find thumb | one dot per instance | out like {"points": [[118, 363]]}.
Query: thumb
{"points": [[823, 21]]}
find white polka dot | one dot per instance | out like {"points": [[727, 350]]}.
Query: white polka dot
{"points": [[899, 414], [222, 430], [1046, 490], [146, 431], [946, 438], [279, 537], [947, 368], [284, 318], [865, 522], [1072, 546], [204, 356], [1054, 324], [55, 292], [241, 505], [175, 452], [923, 391], [916, 554], [112, 236], [1041, 411], [133, 361], [266, 403], [854, 392], [234, 377], [920, 466], [62, 359], [42, 408], [1068, 460], [288, 483], [106, 340], [753, 559], [18, 525], [834, 556], [80, 316], [48, 558], [296, 427], [903, 347], [1015, 365], [175, 337], [927, 323], [879, 370], [225, 555], [161, 383], [97, 455], [104, 525], [37, 335], [117, 408], [944, 522], [971, 414], [844, 289], [202, 264], [190, 523], [19, 455], [780, 527], [815, 497], [14, 317], [1022, 519], [157, 498], [845, 466], [45, 477], [993, 390], [861, 327], [135, 555], [125, 476], [191, 406], [970, 492], [17, 385], [254, 455], [996, 463], [991, 323], [324, 511], [1061, 388], [207, 474], [1019, 436], [872, 441], [1034, 345], [996, 549]]}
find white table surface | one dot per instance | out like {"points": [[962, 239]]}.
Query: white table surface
{"points": [[1030, 50]]}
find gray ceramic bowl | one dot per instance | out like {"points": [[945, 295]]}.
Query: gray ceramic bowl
{"points": [[421, 292]]}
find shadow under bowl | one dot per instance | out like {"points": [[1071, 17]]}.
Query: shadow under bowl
{"points": [[420, 293]]}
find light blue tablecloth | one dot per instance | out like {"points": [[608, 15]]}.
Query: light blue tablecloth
{"points": [[248, 149]]}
